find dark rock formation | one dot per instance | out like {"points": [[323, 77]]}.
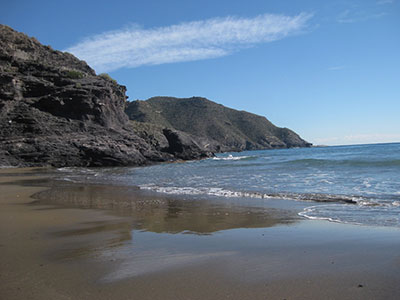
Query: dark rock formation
{"points": [[177, 143], [181, 145], [210, 125], [54, 110]]}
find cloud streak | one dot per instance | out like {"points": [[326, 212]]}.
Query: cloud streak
{"points": [[336, 68], [348, 16], [134, 47], [359, 139], [383, 2]]}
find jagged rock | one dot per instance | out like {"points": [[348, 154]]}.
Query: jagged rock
{"points": [[54, 110], [178, 143], [182, 145]]}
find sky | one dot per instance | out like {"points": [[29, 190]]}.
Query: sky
{"points": [[329, 70]]}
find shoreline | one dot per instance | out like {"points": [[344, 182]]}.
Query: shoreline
{"points": [[169, 248]]}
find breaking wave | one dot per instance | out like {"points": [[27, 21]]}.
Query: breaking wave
{"points": [[231, 157], [314, 197], [354, 184], [387, 215]]}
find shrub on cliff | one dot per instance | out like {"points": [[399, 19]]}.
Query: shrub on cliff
{"points": [[108, 77], [73, 74]]}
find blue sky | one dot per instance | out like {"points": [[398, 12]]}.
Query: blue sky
{"points": [[330, 70]]}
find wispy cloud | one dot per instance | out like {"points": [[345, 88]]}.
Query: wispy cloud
{"points": [[383, 2], [189, 41], [353, 16], [359, 139], [336, 68]]}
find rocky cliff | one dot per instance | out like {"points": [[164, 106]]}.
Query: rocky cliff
{"points": [[212, 126], [54, 110]]}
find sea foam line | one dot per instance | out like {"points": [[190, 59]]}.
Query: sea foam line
{"points": [[221, 192], [231, 157]]}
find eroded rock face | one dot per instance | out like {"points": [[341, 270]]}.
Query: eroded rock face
{"points": [[182, 145], [54, 110], [213, 127]]}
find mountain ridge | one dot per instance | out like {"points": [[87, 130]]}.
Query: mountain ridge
{"points": [[223, 128]]}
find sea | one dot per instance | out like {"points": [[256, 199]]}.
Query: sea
{"points": [[358, 184]]}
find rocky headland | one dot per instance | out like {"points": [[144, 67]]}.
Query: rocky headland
{"points": [[213, 126], [55, 111]]}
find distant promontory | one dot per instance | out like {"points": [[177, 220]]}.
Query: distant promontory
{"points": [[55, 111], [213, 126]]}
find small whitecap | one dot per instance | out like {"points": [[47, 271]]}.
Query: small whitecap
{"points": [[231, 157]]}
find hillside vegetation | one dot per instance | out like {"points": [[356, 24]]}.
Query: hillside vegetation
{"points": [[213, 125]]}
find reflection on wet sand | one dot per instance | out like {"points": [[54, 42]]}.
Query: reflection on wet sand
{"points": [[165, 214], [142, 236], [57, 251]]}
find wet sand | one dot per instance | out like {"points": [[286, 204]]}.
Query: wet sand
{"points": [[78, 241]]}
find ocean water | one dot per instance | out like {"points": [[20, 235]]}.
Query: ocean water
{"points": [[357, 184]]}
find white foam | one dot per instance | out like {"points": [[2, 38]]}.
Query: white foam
{"points": [[326, 181], [366, 183], [382, 215], [318, 215], [66, 169], [220, 192], [231, 157], [77, 170], [367, 203]]}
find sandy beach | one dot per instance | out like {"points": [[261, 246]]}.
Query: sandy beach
{"points": [[77, 241], [195, 150]]}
